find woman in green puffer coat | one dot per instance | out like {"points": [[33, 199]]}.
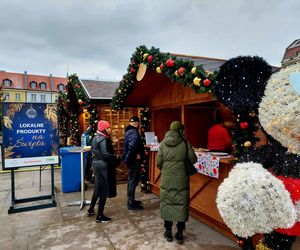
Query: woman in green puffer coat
{"points": [[175, 182]]}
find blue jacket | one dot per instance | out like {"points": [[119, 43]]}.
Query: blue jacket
{"points": [[133, 145]]}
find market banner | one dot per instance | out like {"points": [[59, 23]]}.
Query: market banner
{"points": [[30, 134]]}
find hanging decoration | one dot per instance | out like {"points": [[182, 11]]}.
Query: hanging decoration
{"points": [[141, 72]]}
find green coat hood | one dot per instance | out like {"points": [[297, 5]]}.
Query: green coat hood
{"points": [[172, 138]]}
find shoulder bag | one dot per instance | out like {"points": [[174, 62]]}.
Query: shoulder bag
{"points": [[190, 169]]}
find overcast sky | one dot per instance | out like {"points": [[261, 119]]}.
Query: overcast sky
{"points": [[96, 38]]}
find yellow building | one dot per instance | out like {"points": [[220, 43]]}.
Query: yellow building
{"points": [[14, 95]]}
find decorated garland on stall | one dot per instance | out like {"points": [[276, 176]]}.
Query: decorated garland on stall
{"points": [[70, 105], [145, 127], [178, 70]]}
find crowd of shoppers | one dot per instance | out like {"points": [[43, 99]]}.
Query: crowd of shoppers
{"points": [[171, 158]]}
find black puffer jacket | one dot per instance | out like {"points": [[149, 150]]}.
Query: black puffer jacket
{"points": [[133, 145], [104, 165]]}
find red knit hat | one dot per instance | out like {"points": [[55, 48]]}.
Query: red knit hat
{"points": [[102, 125]]}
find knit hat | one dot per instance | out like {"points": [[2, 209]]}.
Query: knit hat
{"points": [[102, 125], [177, 126], [134, 119]]}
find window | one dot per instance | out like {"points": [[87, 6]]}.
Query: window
{"points": [[43, 98], [33, 97], [33, 85], [18, 96], [5, 96], [43, 85], [60, 87], [7, 83]]}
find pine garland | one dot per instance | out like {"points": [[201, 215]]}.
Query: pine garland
{"points": [[178, 70]]}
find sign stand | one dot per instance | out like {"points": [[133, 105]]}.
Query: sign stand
{"points": [[14, 200], [83, 201]]}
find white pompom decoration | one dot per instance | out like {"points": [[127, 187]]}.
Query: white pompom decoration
{"points": [[279, 110], [251, 200]]}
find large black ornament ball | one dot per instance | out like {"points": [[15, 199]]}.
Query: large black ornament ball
{"points": [[241, 82]]}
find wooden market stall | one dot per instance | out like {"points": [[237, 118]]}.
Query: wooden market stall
{"points": [[169, 101]]}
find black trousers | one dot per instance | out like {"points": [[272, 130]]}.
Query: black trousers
{"points": [[133, 179], [101, 204], [180, 225]]}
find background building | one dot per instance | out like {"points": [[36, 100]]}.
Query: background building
{"points": [[24, 87], [291, 54]]}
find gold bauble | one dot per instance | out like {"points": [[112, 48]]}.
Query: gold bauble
{"points": [[158, 70], [247, 144], [196, 81], [176, 73], [145, 56], [193, 70]]}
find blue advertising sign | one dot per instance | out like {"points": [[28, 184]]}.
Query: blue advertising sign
{"points": [[30, 134]]}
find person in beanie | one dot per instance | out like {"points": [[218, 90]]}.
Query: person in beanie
{"points": [[104, 167], [175, 182], [133, 156]]}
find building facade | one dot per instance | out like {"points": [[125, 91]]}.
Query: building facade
{"points": [[291, 54], [24, 87]]}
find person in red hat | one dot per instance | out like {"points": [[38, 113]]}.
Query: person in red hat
{"points": [[104, 167]]}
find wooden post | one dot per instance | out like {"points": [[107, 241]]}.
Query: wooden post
{"points": [[182, 114]]}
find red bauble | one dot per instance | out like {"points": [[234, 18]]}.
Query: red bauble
{"points": [[132, 70], [240, 243], [206, 82], [180, 71], [244, 125], [170, 63], [150, 58], [161, 66]]}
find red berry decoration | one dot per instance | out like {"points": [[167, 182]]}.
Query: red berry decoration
{"points": [[206, 82], [244, 125], [180, 71], [161, 66], [132, 70], [150, 58]]}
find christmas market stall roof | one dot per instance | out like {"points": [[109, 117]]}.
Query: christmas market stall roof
{"points": [[208, 63], [97, 90]]}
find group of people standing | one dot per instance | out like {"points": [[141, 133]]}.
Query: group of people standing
{"points": [[105, 162], [171, 158]]}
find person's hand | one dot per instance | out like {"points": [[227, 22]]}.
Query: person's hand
{"points": [[138, 156]]}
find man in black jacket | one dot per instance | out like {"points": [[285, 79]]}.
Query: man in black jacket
{"points": [[133, 156]]}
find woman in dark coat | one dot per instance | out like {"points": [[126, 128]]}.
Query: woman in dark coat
{"points": [[104, 167], [175, 182]]}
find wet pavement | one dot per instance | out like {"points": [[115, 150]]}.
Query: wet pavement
{"points": [[68, 227]]}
